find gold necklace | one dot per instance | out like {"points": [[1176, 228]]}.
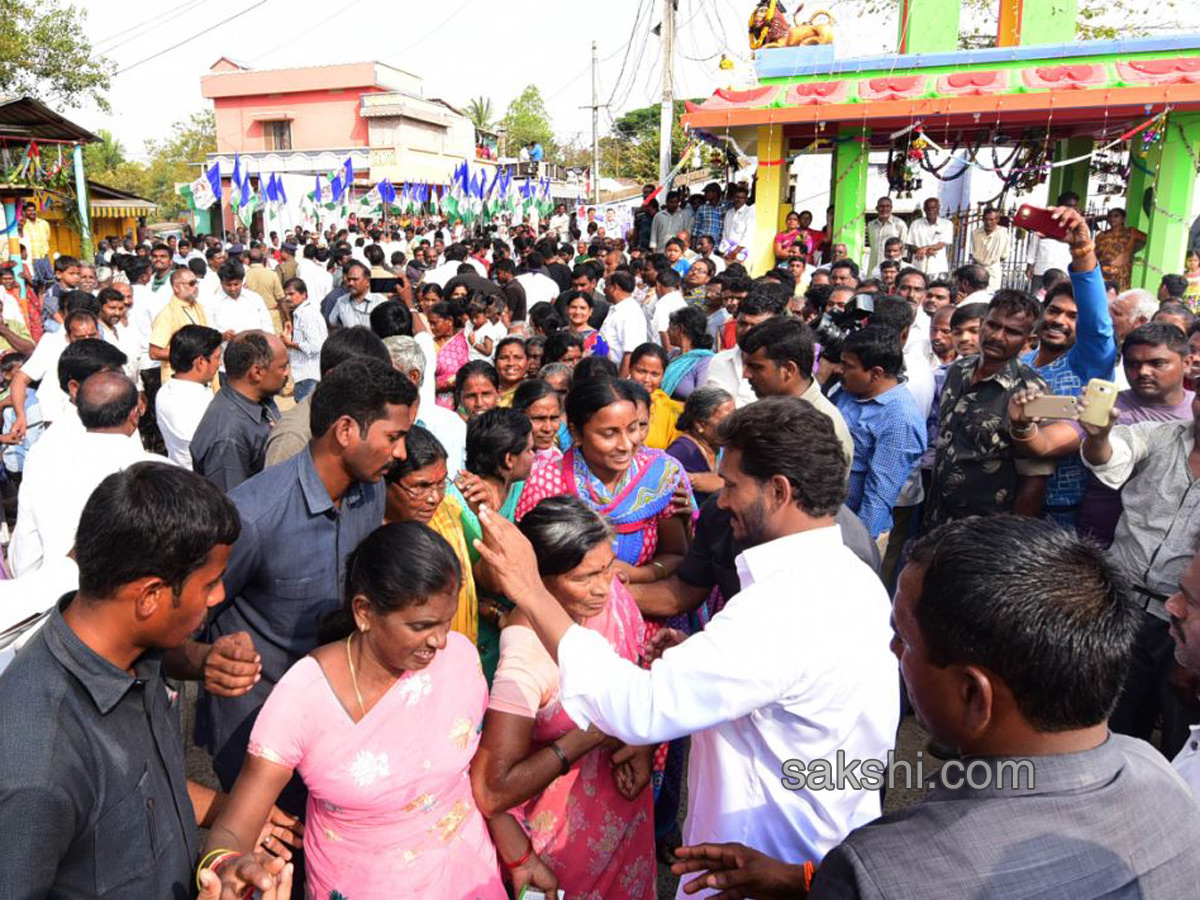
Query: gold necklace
{"points": [[354, 677]]}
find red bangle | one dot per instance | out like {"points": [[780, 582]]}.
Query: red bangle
{"points": [[520, 862]]}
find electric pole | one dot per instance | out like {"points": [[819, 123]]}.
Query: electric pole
{"points": [[595, 126], [667, 118]]}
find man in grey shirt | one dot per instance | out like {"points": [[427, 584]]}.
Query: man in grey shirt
{"points": [[230, 442], [300, 520], [1013, 638], [1154, 465]]}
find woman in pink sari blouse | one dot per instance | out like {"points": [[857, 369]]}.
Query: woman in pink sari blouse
{"points": [[381, 725], [580, 795], [453, 351]]}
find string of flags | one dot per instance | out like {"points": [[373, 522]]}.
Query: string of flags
{"points": [[471, 196]]}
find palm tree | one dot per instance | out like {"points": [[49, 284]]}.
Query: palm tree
{"points": [[479, 111], [105, 155]]}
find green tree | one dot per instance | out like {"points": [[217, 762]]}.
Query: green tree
{"points": [[481, 114], [45, 53], [632, 149], [527, 120], [174, 160], [104, 156]]}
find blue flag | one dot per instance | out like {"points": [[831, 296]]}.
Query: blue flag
{"points": [[214, 180], [280, 193], [387, 192], [347, 173]]}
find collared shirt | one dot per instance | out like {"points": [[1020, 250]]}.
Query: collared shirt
{"points": [[349, 312], [990, 250], [230, 443], [1055, 837], [174, 316], [738, 230], [539, 288], [42, 366], [147, 304], [776, 704], [667, 225], [710, 220], [284, 577], [889, 438], [59, 477], [93, 796], [725, 371], [179, 407], [878, 232], [624, 329], [823, 404], [924, 234], [670, 302], [291, 433], [309, 331], [37, 233], [1157, 534], [1187, 761], [126, 339], [975, 471], [1046, 253], [246, 312]]}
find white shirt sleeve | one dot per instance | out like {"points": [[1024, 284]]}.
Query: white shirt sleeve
{"points": [[1128, 449], [691, 688]]}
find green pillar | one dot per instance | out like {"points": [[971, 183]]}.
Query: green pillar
{"points": [[81, 197], [851, 158], [1170, 217], [1025, 22], [928, 26], [1141, 180], [1074, 177]]}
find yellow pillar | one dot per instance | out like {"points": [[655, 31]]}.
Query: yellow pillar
{"points": [[768, 197]]}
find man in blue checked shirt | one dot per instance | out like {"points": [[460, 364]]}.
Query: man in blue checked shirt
{"points": [[710, 216], [1075, 345], [887, 426]]}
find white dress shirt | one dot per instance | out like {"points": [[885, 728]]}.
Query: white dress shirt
{"points": [[309, 330], [42, 366], [624, 328], [539, 288], [667, 304], [35, 593], [1046, 253], [795, 666], [146, 306], [126, 339], [246, 312], [1187, 761], [180, 406], [55, 490], [451, 431], [738, 231], [439, 275], [315, 277], [725, 371], [923, 234], [878, 232]]}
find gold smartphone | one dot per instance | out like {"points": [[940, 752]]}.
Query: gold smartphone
{"points": [[1100, 396], [1051, 406]]}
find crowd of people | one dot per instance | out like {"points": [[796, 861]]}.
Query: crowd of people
{"points": [[495, 554]]}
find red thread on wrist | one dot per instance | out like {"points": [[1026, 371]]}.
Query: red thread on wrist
{"points": [[520, 862]]}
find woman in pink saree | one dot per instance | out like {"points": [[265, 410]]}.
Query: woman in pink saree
{"points": [[381, 726], [580, 795], [453, 351]]}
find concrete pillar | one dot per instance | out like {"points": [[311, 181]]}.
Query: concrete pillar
{"points": [[1036, 22], [851, 158], [1170, 217], [768, 198], [928, 26]]}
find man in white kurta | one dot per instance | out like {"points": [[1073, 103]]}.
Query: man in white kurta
{"points": [[795, 666]]}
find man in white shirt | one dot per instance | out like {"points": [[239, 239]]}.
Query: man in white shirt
{"points": [[55, 489], [456, 255], [304, 338], [444, 424], [737, 236], [670, 299], [1043, 253], [237, 308], [79, 324], [797, 666], [883, 227], [114, 329], [315, 276], [560, 223], [929, 237], [990, 245], [625, 326], [539, 287], [182, 401], [726, 369]]}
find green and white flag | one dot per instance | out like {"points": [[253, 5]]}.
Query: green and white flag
{"points": [[205, 190]]}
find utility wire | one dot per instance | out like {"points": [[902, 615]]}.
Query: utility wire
{"points": [[188, 40]]}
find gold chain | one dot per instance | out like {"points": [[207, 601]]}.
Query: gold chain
{"points": [[353, 676]]}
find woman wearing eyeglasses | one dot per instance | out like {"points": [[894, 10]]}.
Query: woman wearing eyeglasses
{"points": [[416, 492]]}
